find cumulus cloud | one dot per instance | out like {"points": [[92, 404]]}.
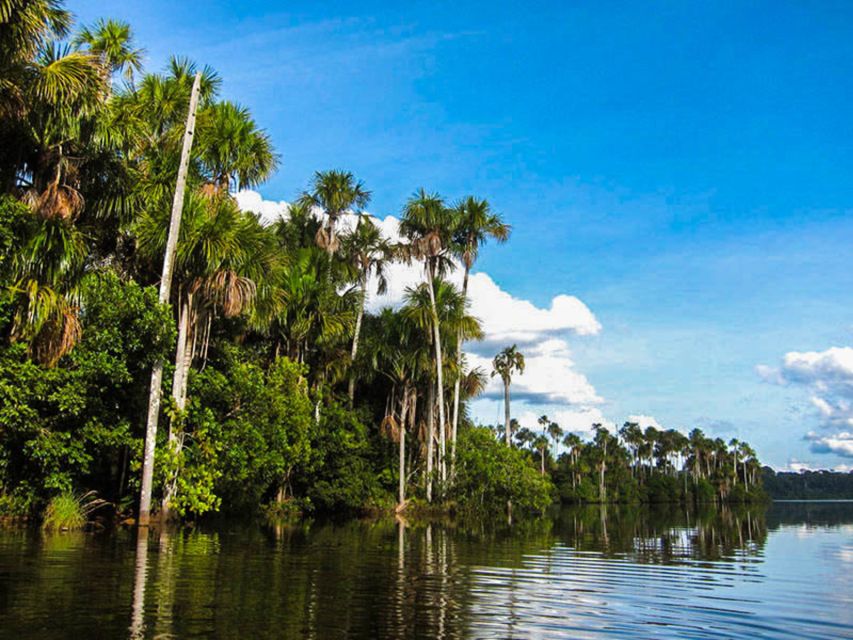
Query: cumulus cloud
{"points": [[645, 421], [827, 375], [578, 420], [839, 443], [550, 375], [268, 210]]}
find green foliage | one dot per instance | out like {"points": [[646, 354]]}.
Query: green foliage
{"points": [[808, 485], [71, 424], [261, 419], [489, 474], [67, 512], [340, 470]]}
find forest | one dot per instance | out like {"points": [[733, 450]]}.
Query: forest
{"points": [[282, 391], [808, 485]]}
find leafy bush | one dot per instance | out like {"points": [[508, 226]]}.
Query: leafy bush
{"points": [[488, 474]]}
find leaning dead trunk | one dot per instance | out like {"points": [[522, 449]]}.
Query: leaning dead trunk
{"points": [[165, 290], [183, 362]]}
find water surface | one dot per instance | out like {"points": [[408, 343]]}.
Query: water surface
{"points": [[581, 573]]}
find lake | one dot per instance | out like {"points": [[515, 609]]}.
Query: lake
{"points": [[781, 572]]}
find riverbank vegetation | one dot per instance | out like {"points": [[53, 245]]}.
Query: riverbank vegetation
{"points": [[282, 391]]}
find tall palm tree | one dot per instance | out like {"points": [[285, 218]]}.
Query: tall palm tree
{"points": [[540, 443], [556, 433], [112, 41], [26, 27], [573, 443], [475, 224], [335, 193], [428, 225], [632, 436], [368, 252], [235, 154], [439, 305], [507, 362], [222, 254], [52, 101]]}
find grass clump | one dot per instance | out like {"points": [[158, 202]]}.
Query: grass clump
{"points": [[67, 512]]}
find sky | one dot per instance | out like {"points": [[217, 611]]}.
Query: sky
{"points": [[677, 176]]}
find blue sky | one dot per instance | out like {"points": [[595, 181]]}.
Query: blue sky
{"points": [[685, 171]]}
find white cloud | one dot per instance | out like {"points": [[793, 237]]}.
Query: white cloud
{"points": [[839, 443], [550, 374], [269, 210], [646, 421], [578, 421], [828, 375]]}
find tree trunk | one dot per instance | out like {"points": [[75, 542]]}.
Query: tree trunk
{"points": [[183, 361], [403, 415], [506, 414], [457, 386], [165, 290], [430, 438], [358, 321], [439, 361]]}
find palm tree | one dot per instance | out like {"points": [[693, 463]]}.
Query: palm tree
{"points": [[222, 254], [335, 193], [573, 443], [632, 435], [475, 224], [445, 301], [369, 253], [428, 225], [602, 437], [26, 27], [233, 151], [507, 362], [556, 432], [52, 101], [112, 42], [395, 356], [541, 444]]}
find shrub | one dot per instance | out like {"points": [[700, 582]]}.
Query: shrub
{"points": [[489, 474], [67, 512]]}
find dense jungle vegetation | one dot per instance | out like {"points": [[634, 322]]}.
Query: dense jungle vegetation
{"points": [[281, 391]]}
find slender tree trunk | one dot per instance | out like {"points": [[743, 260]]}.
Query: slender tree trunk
{"points": [[439, 362], [356, 334], [180, 354], [430, 438], [457, 386], [183, 361], [506, 414], [165, 290], [403, 416]]}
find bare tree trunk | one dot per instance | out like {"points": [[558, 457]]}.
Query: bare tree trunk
{"points": [[183, 362], [355, 337], [439, 361], [457, 386], [430, 438], [506, 414], [165, 290], [403, 415]]}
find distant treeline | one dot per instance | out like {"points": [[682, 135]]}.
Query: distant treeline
{"points": [[808, 485]]}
